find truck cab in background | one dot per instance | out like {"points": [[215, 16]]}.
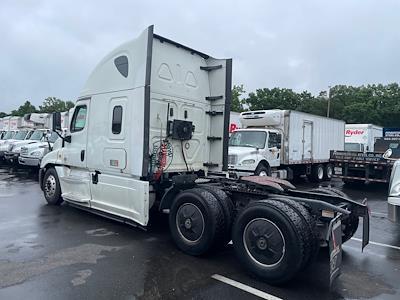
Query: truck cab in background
{"points": [[284, 144], [361, 137], [248, 149]]}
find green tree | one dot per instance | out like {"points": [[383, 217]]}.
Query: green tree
{"points": [[53, 104], [275, 98], [3, 114], [237, 100], [25, 108]]}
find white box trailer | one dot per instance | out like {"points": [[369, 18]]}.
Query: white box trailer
{"points": [[6, 123], [150, 129], [285, 143], [15, 123], [361, 137]]}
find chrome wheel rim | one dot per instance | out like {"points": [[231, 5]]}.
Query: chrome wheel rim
{"points": [[329, 172], [264, 242], [190, 223], [320, 173], [50, 186], [263, 173]]}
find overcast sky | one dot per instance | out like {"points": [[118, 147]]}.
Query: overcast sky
{"points": [[49, 47]]}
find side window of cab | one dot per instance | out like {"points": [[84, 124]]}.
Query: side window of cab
{"points": [[79, 118]]}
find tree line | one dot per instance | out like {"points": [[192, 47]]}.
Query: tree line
{"points": [[50, 104], [377, 103]]}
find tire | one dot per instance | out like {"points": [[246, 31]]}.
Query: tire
{"points": [[328, 172], [262, 170], [349, 225], [52, 188], [317, 173], [196, 209], [310, 231], [278, 257], [227, 209]]}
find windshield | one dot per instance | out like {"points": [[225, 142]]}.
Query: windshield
{"points": [[20, 135], [37, 135], [53, 137], [9, 135], [254, 139], [352, 147]]}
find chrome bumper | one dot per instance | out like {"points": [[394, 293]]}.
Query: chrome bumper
{"points": [[27, 161]]}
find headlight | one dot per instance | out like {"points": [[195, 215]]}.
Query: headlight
{"points": [[36, 153], [248, 162]]}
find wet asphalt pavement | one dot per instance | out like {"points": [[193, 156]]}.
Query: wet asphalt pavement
{"points": [[49, 252]]}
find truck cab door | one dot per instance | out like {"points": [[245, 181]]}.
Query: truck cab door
{"points": [[273, 149], [74, 176]]}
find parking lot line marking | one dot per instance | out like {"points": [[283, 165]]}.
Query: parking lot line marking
{"points": [[378, 244], [245, 288]]}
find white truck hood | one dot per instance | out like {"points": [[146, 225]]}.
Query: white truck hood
{"points": [[240, 151], [16, 146]]}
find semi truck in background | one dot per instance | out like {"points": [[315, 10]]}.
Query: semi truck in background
{"points": [[284, 144], [150, 130], [367, 167], [361, 137]]}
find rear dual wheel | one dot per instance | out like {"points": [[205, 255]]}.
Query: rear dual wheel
{"points": [[273, 240], [200, 220], [321, 172], [350, 224]]}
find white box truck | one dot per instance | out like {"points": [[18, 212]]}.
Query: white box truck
{"points": [[285, 144], [150, 130], [361, 137]]}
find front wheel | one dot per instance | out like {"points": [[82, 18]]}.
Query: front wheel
{"points": [[262, 170], [52, 188]]}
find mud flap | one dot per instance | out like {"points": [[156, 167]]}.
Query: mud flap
{"points": [[335, 248], [365, 235]]}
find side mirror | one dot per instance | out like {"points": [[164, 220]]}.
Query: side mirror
{"points": [[56, 124], [388, 153]]}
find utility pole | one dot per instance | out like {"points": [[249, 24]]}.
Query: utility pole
{"points": [[329, 101]]}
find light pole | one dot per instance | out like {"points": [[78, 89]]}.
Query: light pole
{"points": [[329, 101]]}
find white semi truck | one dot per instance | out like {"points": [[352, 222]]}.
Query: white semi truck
{"points": [[150, 130], [361, 137], [284, 144], [31, 154]]}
